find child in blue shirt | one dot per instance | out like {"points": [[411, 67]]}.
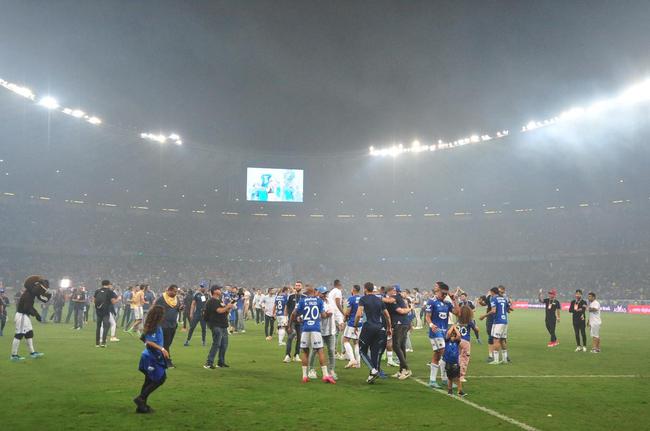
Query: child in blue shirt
{"points": [[153, 360], [451, 358]]}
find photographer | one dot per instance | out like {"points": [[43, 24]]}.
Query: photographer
{"points": [[216, 317]]}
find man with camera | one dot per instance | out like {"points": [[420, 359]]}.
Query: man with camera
{"points": [[216, 317]]}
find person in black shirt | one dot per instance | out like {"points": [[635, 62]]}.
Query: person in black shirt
{"points": [[577, 309], [296, 329], [105, 297], [3, 310], [196, 313], [552, 309], [216, 317], [172, 306], [401, 324], [375, 331]]}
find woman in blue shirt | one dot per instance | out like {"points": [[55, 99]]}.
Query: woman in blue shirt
{"points": [[153, 361]]}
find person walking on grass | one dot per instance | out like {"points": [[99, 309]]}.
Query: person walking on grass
{"points": [[594, 322], [552, 309], [104, 299], [172, 307], [153, 360], [577, 309]]}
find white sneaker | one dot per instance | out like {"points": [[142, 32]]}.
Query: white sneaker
{"points": [[409, 350], [340, 357], [115, 339], [405, 374], [397, 374], [297, 358], [494, 362], [287, 359], [579, 349], [312, 374], [584, 348], [282, 344], [392, 364], [463, 379], [351, 364]]}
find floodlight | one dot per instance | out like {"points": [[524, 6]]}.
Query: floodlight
{"points": [[65, 283], [49, 102]]}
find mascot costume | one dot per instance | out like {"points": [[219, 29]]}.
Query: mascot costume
{"points": [[35, 287]]}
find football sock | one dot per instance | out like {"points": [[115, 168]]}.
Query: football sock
{"points": [[434, 372], [30, 344], [304, 371], [443, 372], [281, 332], [349, 354], [324, 370], [504, 355], [389, 355], [495, 355], [357, 355], [14, 346]]}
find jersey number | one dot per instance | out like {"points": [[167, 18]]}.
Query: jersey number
{"points": [[311, 313]]}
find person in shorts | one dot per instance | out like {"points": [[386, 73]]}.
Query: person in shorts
{"points": [[452, 363], [594, 322]]}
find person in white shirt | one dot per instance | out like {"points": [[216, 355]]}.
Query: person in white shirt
{"points": [[257, 304], [335, 297], [594, 322], [269, 319]]}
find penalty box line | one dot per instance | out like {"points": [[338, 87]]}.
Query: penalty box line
{"points": [[491, 412]]}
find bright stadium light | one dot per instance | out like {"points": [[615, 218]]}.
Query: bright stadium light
{"points": [[78, 113], [65, 283], [94, 120], [49, 102], [18, 89]]}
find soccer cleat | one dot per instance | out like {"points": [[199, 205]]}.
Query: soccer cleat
{"points": [[209, 367], [305, 379], [584, 348], [371, 378], [16, 358], [296, 358], [334, 375], [397, 374], [186, 343], [578, 349], [434, 385], [97, 345], [312, 374], [495, 362], [382, 375], [463, 379], [351, 364], [269, 338], [103, 346], [550, 344], [36, 355], [409, 350], [329, 379], [287, 359], [405, 374]]}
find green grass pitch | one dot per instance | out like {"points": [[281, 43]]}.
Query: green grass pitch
{"points": [[77, 386]]}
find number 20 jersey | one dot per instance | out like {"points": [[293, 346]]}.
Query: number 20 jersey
{"points": [[310, 308]]}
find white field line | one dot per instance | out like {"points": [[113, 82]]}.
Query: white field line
{"points": [[582, 376], [491, 412]]}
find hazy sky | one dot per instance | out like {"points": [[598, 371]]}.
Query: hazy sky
{"points": [[323, 76]]}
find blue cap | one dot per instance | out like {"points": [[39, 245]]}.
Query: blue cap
{"points": [[321, 289], [203, 283], [398, 289]]}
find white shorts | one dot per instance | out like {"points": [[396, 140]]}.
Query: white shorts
{"points": [[500, 330], [282, 321], [313, 340], [23, 323], [137, 313], [595, 331], [348, 332], [437, 343]]}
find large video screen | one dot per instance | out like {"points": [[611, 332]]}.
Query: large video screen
{"points": [[274, 185]]}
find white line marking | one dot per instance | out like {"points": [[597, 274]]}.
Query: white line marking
{"points": [[583, 376], [485, 409]]}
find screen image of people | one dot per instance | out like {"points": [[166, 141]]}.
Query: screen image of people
{"points": [[274, 185]]}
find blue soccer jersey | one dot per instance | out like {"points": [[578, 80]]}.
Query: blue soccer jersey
{"points": [[310, 308], [500, 304], [439, 311], [280, 304], [353, 305], [465, 330]]}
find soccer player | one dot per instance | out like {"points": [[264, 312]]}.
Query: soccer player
{"points": [[376, 329], [349, 334], [594, 322], [328, 328], [310, 309], [577, 309], [279, 304], [552, 307], [196, 313], [437, 312], [295, 331], [499, 308]]}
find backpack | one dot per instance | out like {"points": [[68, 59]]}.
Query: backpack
{"points": [[101, 299]]}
